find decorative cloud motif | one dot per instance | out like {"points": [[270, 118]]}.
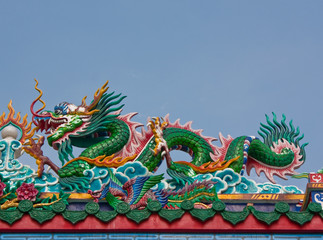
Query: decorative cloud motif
{"points": [[131, 170], [276, 188]]}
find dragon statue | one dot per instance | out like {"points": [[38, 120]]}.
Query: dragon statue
{"points": [[111, 140]]}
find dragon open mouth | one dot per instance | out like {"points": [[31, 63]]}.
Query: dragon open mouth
{"points": [[49, 125], [58, 128]]}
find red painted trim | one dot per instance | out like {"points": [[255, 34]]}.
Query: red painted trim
{"points": [[155, 224]]}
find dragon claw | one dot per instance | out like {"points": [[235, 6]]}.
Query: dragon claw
{"points": [[34, 150]]}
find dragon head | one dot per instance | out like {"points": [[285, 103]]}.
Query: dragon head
{"points": [[70, 124], [65, 121]]}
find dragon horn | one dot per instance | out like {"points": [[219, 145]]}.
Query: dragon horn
{"points": [[97, 96]]}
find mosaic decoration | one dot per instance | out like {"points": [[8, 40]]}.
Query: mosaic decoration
{"points": [[115, 171]]}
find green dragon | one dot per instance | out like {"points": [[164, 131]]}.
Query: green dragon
{"points": [[110, 140]]}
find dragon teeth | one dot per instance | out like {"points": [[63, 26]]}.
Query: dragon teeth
{"points": [[58, 120], [46, 126]]}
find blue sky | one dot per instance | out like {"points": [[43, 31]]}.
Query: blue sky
{"points": [[221, 64]]}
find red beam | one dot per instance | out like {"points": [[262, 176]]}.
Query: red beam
{"points": [[187, 224]]}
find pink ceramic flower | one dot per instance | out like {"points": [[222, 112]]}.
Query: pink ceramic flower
{"points": [[27, 191], [2, 186]]}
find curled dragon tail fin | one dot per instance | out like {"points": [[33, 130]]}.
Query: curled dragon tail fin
{"points": [[275, 131], [280, 153]]}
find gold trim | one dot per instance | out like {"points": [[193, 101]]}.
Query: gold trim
{"points": [[72, 196], [260, 196], [197, 195]]}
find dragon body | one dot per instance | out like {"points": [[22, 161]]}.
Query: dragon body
{"points": [[110, 140]]}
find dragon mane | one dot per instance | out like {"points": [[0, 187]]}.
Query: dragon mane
{"points": [[106, 110]]}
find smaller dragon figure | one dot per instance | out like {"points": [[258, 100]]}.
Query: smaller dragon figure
{"points": [[201, 193], [137, 193]]}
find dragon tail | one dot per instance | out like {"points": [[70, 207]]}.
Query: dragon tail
{"points": [[280, 153]]}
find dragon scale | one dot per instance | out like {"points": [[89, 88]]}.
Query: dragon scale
{"points": [[118, 137]]}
